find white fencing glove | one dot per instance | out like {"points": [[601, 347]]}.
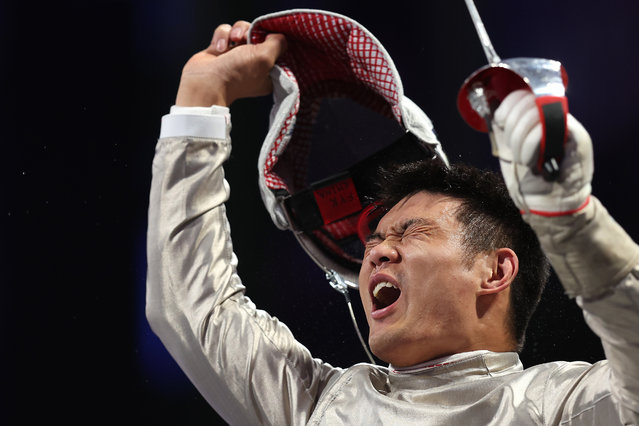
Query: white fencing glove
{"points": [[517, 132]]}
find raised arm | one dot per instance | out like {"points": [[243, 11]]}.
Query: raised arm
{"points": [[596, 261], [245, 363]]}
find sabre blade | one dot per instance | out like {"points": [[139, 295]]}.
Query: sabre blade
{"points": [[491, 55]]}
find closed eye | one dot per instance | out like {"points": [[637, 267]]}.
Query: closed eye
{"points": [[377, 238], [408, 228], [418, 231], [416, 226], [370, 244]]}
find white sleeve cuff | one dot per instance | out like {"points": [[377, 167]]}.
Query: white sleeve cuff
{"points": [[206, 122]]}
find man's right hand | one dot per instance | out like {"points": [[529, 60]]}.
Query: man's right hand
{"points": [[229, 68]]}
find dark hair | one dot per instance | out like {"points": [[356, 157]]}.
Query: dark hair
{"points": [[490, 220]]}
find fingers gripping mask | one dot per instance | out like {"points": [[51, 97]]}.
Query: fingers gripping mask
{"points": [[339, 114]]}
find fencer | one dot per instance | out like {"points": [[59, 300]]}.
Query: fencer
{"points": [[439, 306]]}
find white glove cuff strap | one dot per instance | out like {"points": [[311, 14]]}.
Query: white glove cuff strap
{"points": [[564, 213]]}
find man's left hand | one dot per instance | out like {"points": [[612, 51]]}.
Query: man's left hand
{"points": [[518, 131]]}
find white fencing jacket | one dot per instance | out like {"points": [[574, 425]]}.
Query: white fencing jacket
{"points": [[252, 371]]}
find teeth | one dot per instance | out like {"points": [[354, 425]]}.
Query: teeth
{"points": [[380, 286]]}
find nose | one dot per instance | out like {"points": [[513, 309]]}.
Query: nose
{"points": [[384, 252]]}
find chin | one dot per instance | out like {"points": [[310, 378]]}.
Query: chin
{"points": [[378, 349]]}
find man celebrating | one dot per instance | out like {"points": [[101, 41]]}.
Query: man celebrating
{"points": [[449, 279]]}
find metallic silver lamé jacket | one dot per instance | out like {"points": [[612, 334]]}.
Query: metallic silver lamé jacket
{"points": [[252, 371]]}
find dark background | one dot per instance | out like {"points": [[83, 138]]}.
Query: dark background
{"points": [[84, 85]]}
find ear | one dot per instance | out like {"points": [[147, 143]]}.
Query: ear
{"points": [[505, 265]]}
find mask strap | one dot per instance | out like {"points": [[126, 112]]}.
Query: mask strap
{"points": [[337, 282]]}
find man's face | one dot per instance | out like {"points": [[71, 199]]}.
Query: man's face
{"points": [[417, 247]]}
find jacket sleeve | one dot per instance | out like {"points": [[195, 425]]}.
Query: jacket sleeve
{"points": [[244, 362], [597, 263]]}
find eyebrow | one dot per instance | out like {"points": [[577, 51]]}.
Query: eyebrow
{"points": [[402, 227]]}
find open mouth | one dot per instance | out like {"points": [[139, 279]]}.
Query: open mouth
{"points": [[385, 294]]}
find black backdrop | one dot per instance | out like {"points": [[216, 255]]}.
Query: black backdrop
{"points": [[84, 85]]}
